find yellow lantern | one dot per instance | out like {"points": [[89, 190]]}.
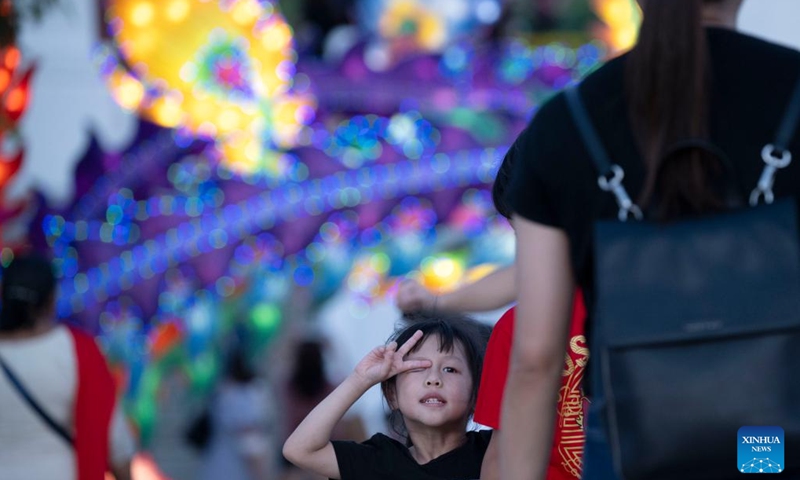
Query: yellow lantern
{"points": [[223, 69]]}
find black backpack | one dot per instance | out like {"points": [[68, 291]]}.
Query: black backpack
{"points": [[696, 328]]}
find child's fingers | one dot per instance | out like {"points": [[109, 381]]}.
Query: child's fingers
{"points": [[387, 365], [409, 343], [414, 365], [378, 352]]}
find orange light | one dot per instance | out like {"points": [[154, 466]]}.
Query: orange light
{"points": [[15, 101], [12, 58], [441, 274], [5, 79], [9, 167], [166, 337]]}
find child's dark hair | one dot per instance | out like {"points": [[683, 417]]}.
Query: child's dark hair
{"points": [[28, 286], [451, 329], [501, 182]]}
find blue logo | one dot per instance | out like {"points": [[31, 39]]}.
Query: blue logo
{"points": [[761, 450]]}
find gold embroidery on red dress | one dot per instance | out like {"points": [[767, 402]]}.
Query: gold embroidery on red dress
{"points": [[571, 402]]}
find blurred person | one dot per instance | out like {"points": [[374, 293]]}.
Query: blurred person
{"points": [[305, 388], [429, 373], [691, 75], [59, 416], [240, 410]]}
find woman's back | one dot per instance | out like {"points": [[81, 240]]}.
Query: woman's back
{"points": [[556, 183], [685, 85], [29, 448]]}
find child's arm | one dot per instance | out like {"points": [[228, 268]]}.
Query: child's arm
{"points": [[309, 446]]}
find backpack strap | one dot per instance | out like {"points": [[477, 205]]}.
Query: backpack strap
{"points": [[58, 429], [611, 175], [776, 155]]}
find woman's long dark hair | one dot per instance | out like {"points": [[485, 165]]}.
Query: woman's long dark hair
{"points": [[28, 286], [501, 182], [667, 87]]}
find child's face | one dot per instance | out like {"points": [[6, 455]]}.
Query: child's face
{"points": [[439, 395]]}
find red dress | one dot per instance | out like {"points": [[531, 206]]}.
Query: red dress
{"points": [[567, 455]]}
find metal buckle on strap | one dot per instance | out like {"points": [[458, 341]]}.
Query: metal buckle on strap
{"points": [[774, 160], [614, 185]]}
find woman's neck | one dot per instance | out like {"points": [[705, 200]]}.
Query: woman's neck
{"points": [[432, 443]]}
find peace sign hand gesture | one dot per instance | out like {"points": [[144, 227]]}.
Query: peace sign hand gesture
{"points": [[386, 361]]}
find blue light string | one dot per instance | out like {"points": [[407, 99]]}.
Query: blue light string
{"points": [[265, 210]]}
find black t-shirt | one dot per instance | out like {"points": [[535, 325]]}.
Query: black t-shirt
{"points": [[383, 458], [554, 182]]}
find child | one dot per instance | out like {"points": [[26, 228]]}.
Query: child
{"points": [[495, 291], [429, 374]]}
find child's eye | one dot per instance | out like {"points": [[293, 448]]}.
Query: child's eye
{"points": [[450, 370], [416, 370]]}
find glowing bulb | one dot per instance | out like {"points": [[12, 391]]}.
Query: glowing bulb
{"points": [[252, 150], [228, 121], [622, 18], [624, 39], [431, 33], [15, 100], [167, 113], [444, 268], [142, 14], [129, 92], [277, 37], [12, 58], [5, 79], [246, 12], [441, 274], [177, 10]]}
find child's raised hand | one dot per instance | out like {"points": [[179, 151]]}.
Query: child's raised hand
{"points": [[386, 361]]}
